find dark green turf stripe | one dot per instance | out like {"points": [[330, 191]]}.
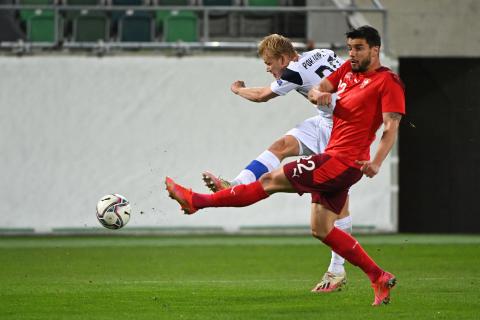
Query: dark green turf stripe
{"points": [[16, 230], [119, 240]]}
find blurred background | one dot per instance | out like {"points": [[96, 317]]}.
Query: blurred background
{"points": [[110, 96]]}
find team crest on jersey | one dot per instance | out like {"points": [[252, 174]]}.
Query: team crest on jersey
{"points": [[348, 76], [365, 83], [279, 82]]}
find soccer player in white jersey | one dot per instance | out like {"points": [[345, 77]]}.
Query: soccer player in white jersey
{"points": [[300, 72]]}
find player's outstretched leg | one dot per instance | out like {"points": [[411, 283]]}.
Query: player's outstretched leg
{"points": [[237, 196]]}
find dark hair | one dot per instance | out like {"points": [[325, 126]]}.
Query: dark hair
{"points": [[368, 33]]}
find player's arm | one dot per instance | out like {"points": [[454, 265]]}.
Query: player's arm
{"points": [[391, 122], [255, 94], [322, 94]]}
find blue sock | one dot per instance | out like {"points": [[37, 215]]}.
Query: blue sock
{"points": [[257, 168], [264, 163]]}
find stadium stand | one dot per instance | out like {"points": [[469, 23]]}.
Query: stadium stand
{"points": [[146, 24], [72, 14], [117, 15], [258, 23], [181, 26], [10, 30], [220, 23], [26, 14], [174, 2], [91, 26], [84, 25], [136, 26], [41, 26], [82, 2], [40, 23], [218, 2], [128, 2]]}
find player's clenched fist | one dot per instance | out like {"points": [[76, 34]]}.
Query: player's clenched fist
{"points": [[236, 86], [320, 98]]}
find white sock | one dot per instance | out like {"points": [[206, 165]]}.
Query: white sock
{"points": [[264, 163], [244, 177], [337, 262], [269, 160]]}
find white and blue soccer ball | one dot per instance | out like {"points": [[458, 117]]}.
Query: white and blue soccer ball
{"points": [[113, 211]]}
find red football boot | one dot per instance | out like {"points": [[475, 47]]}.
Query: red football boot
{"points": [[182, 195], [382, 287]]}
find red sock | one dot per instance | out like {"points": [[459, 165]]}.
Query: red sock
{"points": [[238, 196], [349, 248]]}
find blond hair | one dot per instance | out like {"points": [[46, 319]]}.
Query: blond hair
{"points": [[275, 46]]}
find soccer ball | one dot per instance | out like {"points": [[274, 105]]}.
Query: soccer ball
{"points": [[113, 211]]}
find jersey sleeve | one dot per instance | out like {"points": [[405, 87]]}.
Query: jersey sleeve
{"points": [[393, 94], [338, 74], [290, 80]]}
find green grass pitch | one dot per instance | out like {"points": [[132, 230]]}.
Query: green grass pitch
{"points": [[231, 277]]}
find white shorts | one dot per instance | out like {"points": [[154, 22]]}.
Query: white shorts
{"points": [[313, 133]]}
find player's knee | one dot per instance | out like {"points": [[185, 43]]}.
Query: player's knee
{"points": [[266, 178], [278, 149], [273, 181], [321, 230], [284, 147], [319, 233]]}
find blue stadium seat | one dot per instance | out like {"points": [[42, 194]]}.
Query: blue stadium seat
{"points": [[136, 27]]}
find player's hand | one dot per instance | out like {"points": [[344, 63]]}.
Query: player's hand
{"points": [[324, 99], [237, 85], [320, 98], [368, 168]]}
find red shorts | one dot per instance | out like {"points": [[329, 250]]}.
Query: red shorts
{"points": [[325, 177]]}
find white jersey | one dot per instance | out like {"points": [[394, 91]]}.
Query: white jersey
{"points": [[307, 72]]}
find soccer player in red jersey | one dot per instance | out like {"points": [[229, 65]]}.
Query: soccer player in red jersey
{"points": [[367, 96]]}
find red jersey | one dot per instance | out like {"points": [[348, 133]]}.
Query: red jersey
{"points": [[361, 100]]}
